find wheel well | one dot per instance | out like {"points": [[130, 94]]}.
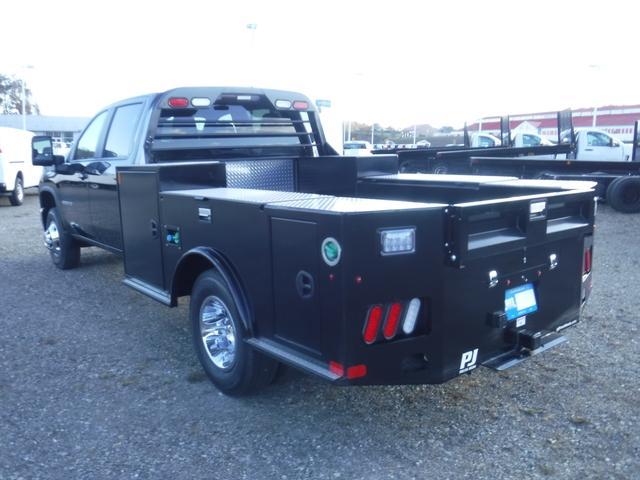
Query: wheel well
{"points": [[188, 270], [201, 260], [47, 202]]}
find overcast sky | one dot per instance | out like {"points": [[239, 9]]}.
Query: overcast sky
{"points": [[392, 62]]}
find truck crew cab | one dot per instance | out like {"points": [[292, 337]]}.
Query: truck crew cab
{"points": [[337, 265]]}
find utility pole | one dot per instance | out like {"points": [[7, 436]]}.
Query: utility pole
{"points": [[24, 95]]}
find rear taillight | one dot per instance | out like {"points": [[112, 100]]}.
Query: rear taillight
{"points": [[300, 105], [400, 318], [393, 319], [372, 326], [178, 102], [411, 317], [588, 253]]}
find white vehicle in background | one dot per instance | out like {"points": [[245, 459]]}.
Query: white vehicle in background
{"points": [[356, 148], [529, 139], [484, 140], [593, 144], [16, 170]]}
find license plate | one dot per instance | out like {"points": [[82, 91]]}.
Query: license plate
{"points": [[520, 301]]}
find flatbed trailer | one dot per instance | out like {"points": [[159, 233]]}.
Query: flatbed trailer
{"points": [[618, 183], [339, 266]]}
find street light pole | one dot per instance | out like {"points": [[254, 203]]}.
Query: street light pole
{"points": [[24, 95], [24, 106], [252, 27]]}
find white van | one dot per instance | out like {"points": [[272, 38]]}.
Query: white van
{"points": [[16, 170]]}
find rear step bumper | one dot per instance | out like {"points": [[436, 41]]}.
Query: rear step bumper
{"points": [[510, 359]]}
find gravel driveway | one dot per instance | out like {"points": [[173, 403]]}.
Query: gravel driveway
{"points": [[97, 381]]}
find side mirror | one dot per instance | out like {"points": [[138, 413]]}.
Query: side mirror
{"points": [[42, 151]]}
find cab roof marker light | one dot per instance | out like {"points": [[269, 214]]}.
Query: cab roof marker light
{"points": [[245, 98], [200, 101], [178, 102], [286, 104], [411, 317], [300, 105]]}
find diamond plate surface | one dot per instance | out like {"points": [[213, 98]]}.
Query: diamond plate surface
{"points": [[246, 195], [261, 174], [352, 205]]}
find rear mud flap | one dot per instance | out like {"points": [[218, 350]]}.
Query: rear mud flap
{"points": [[511, 359]]}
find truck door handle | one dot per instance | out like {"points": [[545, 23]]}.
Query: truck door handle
{"points": [[95, 186], [304, 284], [154, 229], [588, 149]]}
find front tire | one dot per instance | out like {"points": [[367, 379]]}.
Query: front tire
{"points": [[17, 196], [218, 336], [64, 250]]}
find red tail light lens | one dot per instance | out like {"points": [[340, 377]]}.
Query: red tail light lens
{"points": [[336, 368], [587, 260], [372, 326], [300, 105], [393, 319], [356, 371], [178, 102]]}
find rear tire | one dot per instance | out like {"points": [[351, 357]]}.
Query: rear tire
{"points": [[623, 194], [219, 339], [64, 250], [17, 196], [441, 169]]}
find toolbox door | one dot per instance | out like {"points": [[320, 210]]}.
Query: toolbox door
{"points": [[141, 229], [295, 267]]}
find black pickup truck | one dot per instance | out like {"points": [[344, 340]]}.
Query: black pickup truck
{"points": [[290, 253]]}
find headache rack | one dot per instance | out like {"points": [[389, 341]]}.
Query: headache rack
{"points": [[232, 130]]}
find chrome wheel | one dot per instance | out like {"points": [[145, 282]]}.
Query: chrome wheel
{"points": [[19, 191], [52, 238], [217, 332]]}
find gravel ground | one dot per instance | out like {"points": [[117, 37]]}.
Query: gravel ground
{"points": [[97, 381]]}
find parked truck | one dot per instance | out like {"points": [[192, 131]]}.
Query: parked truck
{"points": [[16, 170], [336, 265]]}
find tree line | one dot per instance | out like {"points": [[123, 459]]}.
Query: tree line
{"points": [[11, 97]]}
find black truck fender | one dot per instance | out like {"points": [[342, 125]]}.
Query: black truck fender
{"points": [[200, 259], [48, 200]]}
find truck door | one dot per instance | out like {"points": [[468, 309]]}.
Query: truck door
{"points": [[102, 186], [72, 178], [600, 146]]}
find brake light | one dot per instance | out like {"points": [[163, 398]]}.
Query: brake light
{"points": [[587, 260], [393, 319], [178, 102], [300, 105], [372, 326]]}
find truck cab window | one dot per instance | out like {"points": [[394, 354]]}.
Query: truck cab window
{"points": [[88, 142], [597, 139], [121, 131]]}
